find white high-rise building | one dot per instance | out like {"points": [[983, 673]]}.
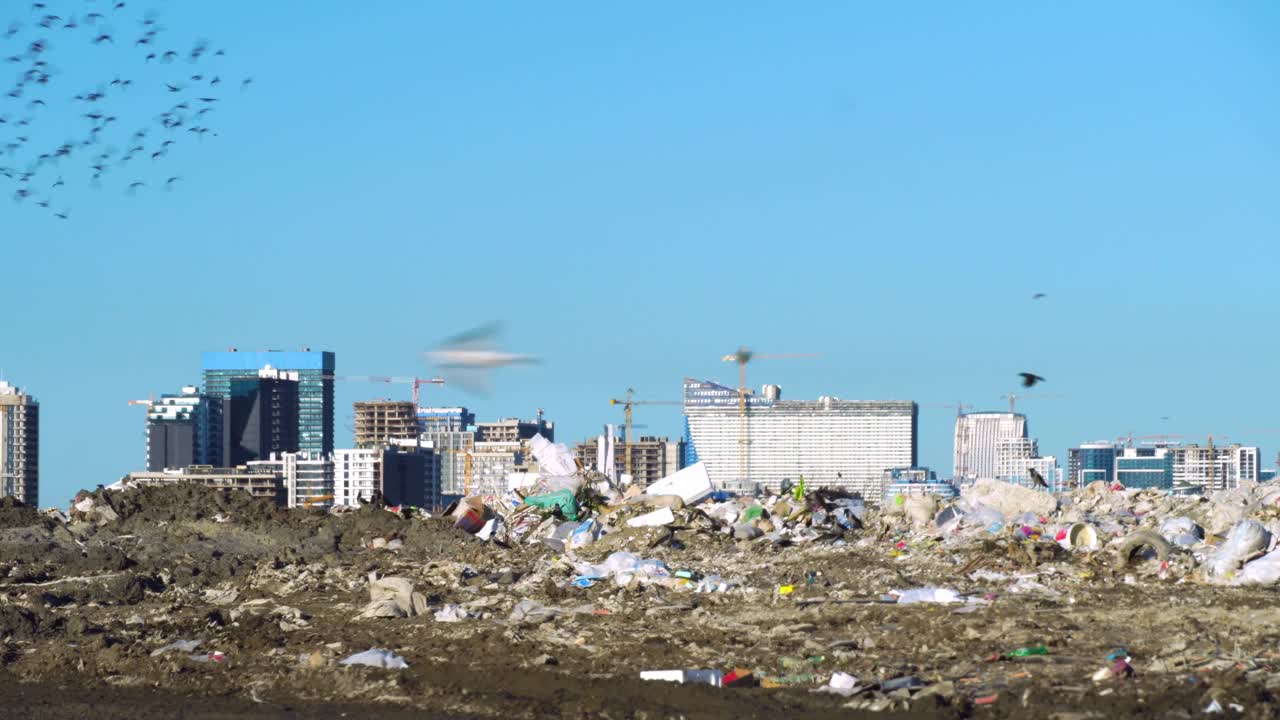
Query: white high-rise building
{"points": [[308, 478], [1231, 465], [978, 439], [19, 445], [355, 475], [830, 442]]}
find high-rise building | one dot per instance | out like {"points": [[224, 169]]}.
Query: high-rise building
{"points": [[445, 419], [19, 445], [828, 441], [378, 422], [262, 415], [1091, 462], [315, 371], [307, 478], [492, 462], [977, 443], [515, 430], [1201, 469], [401, 474], [178, 431], [1144, 467], [652, 458], [450, 432]]}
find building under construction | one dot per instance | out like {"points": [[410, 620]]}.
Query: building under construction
{"points": [[652, 458], [379, 422], [19, 445]]}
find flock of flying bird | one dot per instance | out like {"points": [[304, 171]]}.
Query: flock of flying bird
{"points": [[100, 147]]}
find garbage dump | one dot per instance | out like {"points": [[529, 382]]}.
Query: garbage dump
{"points": [[571, 594]]}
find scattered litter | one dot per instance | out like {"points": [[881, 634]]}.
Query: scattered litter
{"points": [[376, 657]]}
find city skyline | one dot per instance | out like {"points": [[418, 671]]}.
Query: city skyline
{"points": [[636, 192], [346, 439]]}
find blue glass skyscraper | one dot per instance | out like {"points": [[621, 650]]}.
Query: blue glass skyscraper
{"points": [[315, 388]]}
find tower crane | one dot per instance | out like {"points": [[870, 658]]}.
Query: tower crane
{"points": [[742, 357], [417, 382], [626, 409], [959, 406], [1012, 397], [149, 402]]}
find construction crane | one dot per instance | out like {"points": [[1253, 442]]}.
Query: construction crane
{"points": [[626, 409], [417, 382], [149, 402], [959, 406], [1012, 397], [742, 357]]}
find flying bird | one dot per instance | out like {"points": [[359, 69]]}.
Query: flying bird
{"points": [[62, 215], [150, 57], [104, 37], [1030, 379], [476, 349], [173, 88], [246, 83], [1037, 478], [1037, 296]]}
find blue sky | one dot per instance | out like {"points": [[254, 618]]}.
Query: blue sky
{"points": [[636, 191]]}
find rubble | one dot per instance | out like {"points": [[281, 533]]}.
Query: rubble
{"points": [[921, 607]]}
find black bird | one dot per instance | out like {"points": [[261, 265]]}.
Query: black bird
{"points": [[157, 154], [13, 30], [1038, 478], [1037, 296], [71, 24], [167, 143], [150, 57], [59, 183], [205, 110], [119, 5], [197, 78], [62, 215], [135, 185], [1029, 379], [170, 55], [36, 102], [220, 53], [171, 180], [43, 203], [215, 82], [208, 100], [104, 37], [37, 6], [246, 83], [182, 106], [93, 17], [173, 88], [142, 41]]}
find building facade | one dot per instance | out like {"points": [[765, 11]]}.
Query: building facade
{"points": [[1206, 469], [515, 430], [909, 481], [1144, 467], [19, 445], [307, 478], [977, 442], [402, 475], [830, 442], [178, 431], [257, 482], [1091, 462], [652, 458], [378, 422], [491, 462], [445, 419], [315, 371], [261, 415]]}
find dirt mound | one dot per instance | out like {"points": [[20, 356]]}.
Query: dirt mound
{"points": [[14, 513], [186, 502]]}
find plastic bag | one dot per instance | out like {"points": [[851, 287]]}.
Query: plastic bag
{"points": [[1263, 571], [1181, 531], [1245, 539], [376, 657]]}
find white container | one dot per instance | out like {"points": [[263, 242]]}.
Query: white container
{"points": [[692, 484]]}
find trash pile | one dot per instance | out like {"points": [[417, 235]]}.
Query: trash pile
{"points": [[569, 508], [588, 595]]}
